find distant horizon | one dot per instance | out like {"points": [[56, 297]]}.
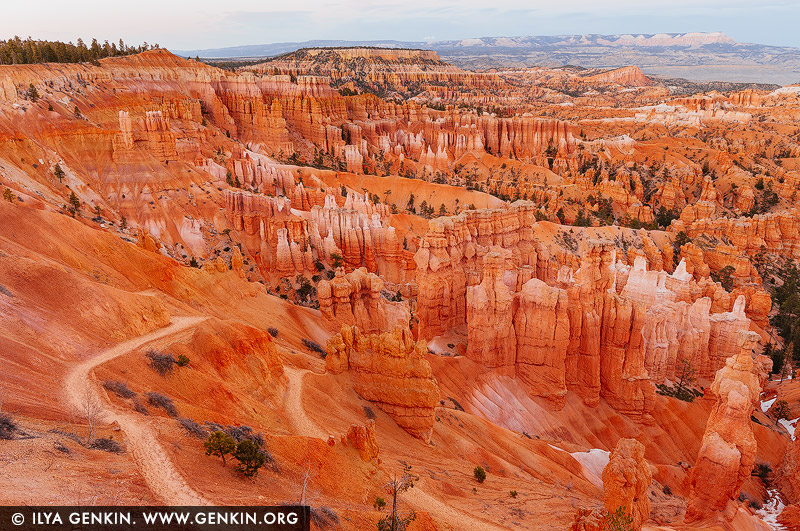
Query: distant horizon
{"points": [[397, 43], [202, 24]]}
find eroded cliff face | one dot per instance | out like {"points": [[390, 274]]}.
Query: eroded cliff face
{"points": [[598, 327], [728, 450], [390, 370]]}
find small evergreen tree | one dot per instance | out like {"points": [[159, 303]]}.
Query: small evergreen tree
{"points": [[780, 411], [686, 373], [58, 172], [250, 458], [8, 195], [336, 260], [33, 94], [221, 444], [479, 473], [74, 201]]}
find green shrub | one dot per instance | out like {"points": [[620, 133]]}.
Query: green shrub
{"points": [[380, 503], [479, 473]]}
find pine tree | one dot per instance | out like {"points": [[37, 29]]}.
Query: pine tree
{"points": [[221, 444]]}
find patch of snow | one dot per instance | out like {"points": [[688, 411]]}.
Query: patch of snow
{"points": [[766, 404], [790, 425], [792, 89], [771, 509], [593, 462]]}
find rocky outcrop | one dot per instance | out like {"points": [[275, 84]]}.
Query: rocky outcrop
{"points": [[777, 233], [788, 480], [626, 478], [604, 330], [390, 370], [541, 323], [589, 519], [355, 299], [362, 438], [491, 337], [728, 450], [288, 234], [451, 254]]}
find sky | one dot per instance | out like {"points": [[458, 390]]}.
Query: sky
{"points": [[202, 24]]}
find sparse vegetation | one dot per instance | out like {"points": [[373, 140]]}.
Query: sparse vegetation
{"points": [[8, 427], [619, 520], [120, 389], [479, 473], [398, 520], [250, 458], [139, 407], [314, 347], [58, 172], [182, 361], [272, 331], [369, 413], [762, 471], [193, 428], [324, 517], [163, 402], [221, 444], [336, 260], [9, 196], [162, 363], [107, 445], [725, 277], [780, 410]]}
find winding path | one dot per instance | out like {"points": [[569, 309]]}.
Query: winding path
{"points": [[164, 480], [293, 402]]}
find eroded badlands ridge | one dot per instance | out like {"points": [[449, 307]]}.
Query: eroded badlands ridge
{"points": [[520, 270]]}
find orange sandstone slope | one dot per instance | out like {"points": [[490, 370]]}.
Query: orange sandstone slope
{"points": [[360, 283]]}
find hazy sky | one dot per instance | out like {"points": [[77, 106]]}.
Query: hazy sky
{"points": [[185, 24]]}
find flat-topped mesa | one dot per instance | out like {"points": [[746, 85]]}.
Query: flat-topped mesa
{"points": [[728, 451], [626, 76], [390, 54], [395, 69], [355, 299], [390, 370]]}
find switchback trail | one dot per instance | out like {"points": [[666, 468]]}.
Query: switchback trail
{"points": [[164, 480]]}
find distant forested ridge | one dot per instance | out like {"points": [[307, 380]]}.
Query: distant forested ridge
{"points": [[21, 52]]}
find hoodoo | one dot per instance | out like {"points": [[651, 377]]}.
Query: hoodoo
{"points": [[403, 292]]}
